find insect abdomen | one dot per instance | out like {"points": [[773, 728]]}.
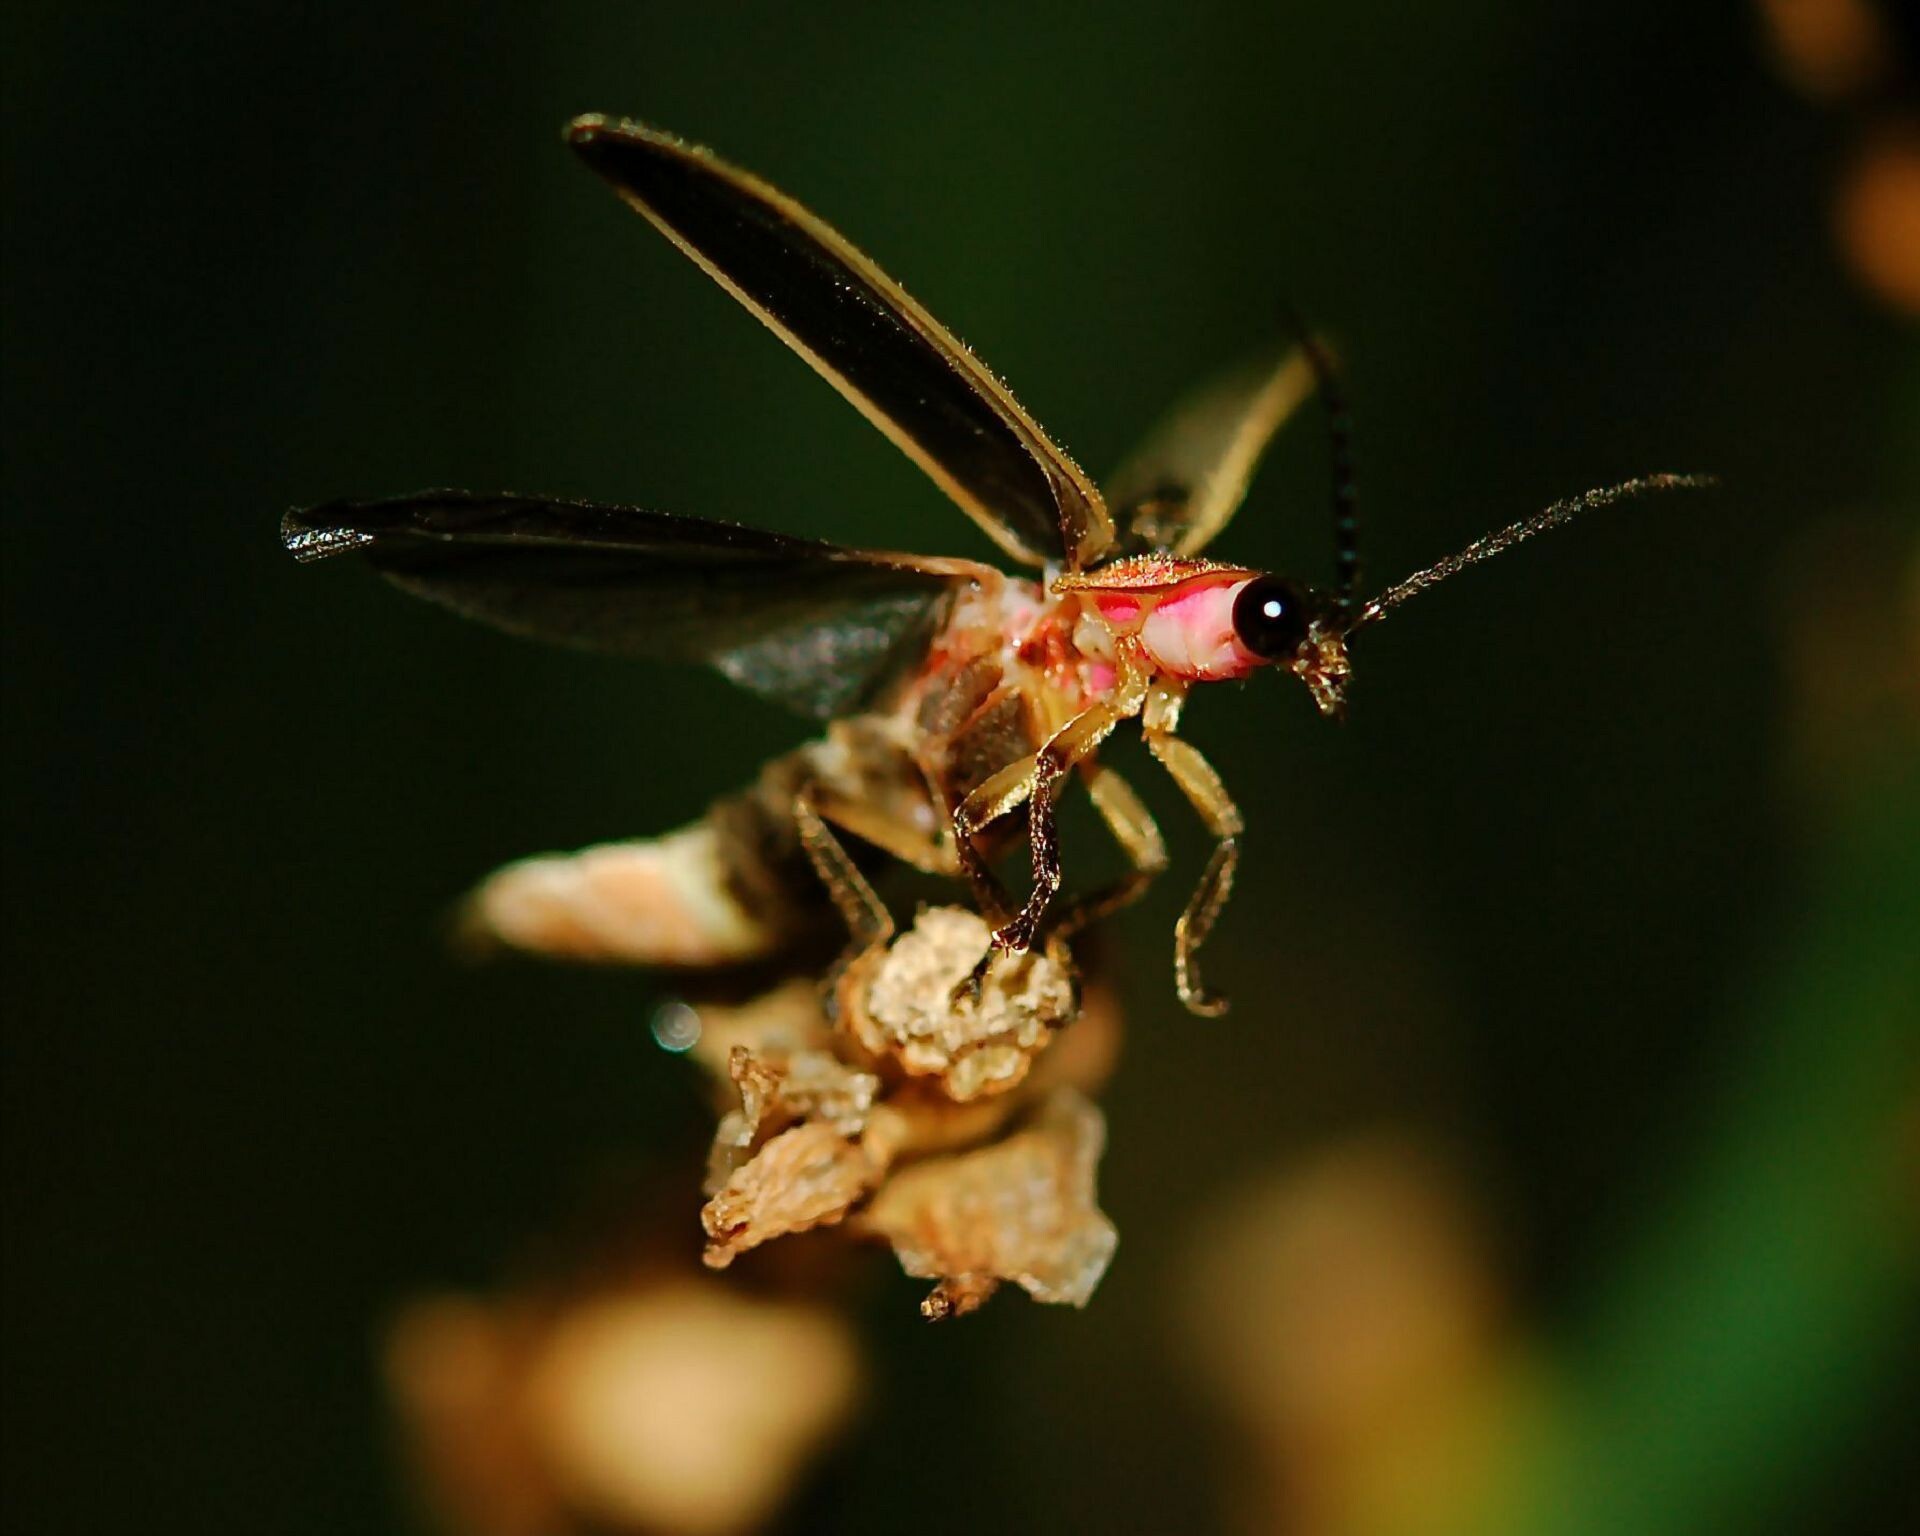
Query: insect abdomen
{"points": [[660, 901], [731, 887]]}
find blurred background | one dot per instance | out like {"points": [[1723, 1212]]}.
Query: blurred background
{"points": [[1559, 1166]]}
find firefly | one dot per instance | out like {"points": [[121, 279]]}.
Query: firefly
{"points": [[955, 694]]}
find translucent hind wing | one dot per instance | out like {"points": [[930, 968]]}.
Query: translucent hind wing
{"points": [[1188, 476]]}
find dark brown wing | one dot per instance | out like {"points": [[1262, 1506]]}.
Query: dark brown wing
{"points": [[1187, 478], [864, 335], [815, 627]]}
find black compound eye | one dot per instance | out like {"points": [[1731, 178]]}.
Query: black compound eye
{"points": [[1270, 617]]}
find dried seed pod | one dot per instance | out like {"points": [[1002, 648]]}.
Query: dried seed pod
{"points": [[805, 1177], [978, 1169], [912, 1006], [780, 1088], [1020, 1209]]}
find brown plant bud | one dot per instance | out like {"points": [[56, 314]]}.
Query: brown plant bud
{"points": [[916, 1010]]}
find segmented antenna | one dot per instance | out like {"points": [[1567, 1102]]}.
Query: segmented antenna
{"points": [[1552, 517], [1346, 508]]}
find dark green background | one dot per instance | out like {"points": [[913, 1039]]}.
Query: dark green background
{"points": [[266, 255]]}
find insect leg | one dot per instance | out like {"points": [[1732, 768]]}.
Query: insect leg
{"points": [[970, 818], [1004, 792], [1035, 782], [1043, 848], [910, 843], [1134, 829], [869, 923], [866, 916], [1202, 787], [1001, 794]]}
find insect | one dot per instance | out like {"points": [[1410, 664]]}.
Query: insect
{"points": [[956, 695]]}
